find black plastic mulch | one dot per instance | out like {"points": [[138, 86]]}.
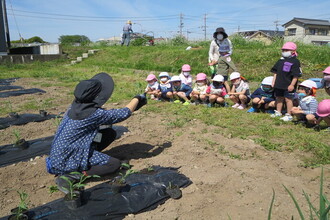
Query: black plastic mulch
{"points": [[21, 92], [23, 119], [38, 147], [144, 192], [7, 81], [8, 87]]}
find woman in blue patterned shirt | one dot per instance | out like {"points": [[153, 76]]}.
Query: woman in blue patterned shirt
{"points": [[78, 140]]}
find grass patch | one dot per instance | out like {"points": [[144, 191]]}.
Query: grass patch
{"points": [[130, 65]]}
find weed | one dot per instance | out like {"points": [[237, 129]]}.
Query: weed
{"points": [[235, 156]]}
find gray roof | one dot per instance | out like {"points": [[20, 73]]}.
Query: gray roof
{"points": [[270, 33], [310, 21]]}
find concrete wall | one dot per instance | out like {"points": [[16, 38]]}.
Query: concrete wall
{"points": [[28, 58]]}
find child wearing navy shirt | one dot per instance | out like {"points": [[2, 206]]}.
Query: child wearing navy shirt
{"points": [[286, 73], [263, 98], [180, 91]]}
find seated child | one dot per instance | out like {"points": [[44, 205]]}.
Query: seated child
{"points": [[240, 91], [306, 111], [165, 91], [323, 111], [326, 79], [152, 87], [185, 75], [263, 97], [217, 91], [198, 94], [180, 91]]}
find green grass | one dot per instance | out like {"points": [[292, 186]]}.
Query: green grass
{"points": [[130, 65]]}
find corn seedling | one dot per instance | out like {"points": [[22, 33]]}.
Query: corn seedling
{"points": [[77, 186], [17, 135], [324, 204], [123, 176], [22, 206]]}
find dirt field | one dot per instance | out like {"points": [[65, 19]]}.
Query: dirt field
{"points": [[223, 185]]}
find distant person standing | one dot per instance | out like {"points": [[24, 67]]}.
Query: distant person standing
{"points": [[127, 30], [225, 51]]}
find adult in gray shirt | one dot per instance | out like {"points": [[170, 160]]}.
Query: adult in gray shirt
{"points": [[127, 30]]}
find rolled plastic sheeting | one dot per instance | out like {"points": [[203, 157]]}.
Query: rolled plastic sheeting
{"points": [[38, 147], [144, 192]]}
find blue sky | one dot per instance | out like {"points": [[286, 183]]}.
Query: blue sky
{"points": [[97, 19]]}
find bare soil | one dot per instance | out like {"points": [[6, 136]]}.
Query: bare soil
{"points": [[236, 181]]}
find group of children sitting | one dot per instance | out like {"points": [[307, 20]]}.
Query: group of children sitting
{"points": [[280, 94], [180, 89]]}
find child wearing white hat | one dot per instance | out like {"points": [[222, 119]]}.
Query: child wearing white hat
{"points": [[181, 91], [240, 91], [216, 91], [306, 111], [263, 98]]}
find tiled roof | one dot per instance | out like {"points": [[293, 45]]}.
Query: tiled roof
{"points": [[310, 21]]}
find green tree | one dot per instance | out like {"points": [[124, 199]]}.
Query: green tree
{"points": [[72, 39]]}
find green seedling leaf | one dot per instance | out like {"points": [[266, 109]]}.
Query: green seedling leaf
{"points": [[311, 207], [53, 189], [296, 203], [126, 165], [271, 206]]}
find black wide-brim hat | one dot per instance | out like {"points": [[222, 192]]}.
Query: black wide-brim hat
{"points": [[107, 88], [220, 30]]}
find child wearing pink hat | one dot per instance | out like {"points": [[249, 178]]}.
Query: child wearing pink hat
{"points": [[326, 79], [286, 73], [198, 94], [323, 111], [152, 88], [185, 75]]}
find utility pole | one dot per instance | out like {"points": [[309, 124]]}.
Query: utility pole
{"points": [[205, 27], [4, 30], [181, 23], [276, 25]]}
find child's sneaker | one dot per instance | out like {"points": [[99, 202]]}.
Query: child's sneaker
{"points": [[236, 105], [252, 110], [276, 114], [287, 117], [210, 105], [241, 106], [186, 103], [177, 101]]}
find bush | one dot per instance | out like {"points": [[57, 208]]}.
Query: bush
{"points": [[179, 41], [74, 39]]}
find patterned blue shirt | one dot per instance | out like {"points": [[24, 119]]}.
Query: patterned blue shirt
{"points": [[72, 148]]}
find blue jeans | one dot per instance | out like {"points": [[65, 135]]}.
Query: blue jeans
{"points": [[126, 38]]}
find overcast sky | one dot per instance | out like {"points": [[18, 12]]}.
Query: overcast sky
{"points": [[49, 19]]}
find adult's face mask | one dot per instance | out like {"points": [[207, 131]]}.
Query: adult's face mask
{"points": [[286, 54], [220, 36]]}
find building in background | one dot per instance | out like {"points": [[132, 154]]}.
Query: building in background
{"points": [[308, 31], [265, 36]]}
